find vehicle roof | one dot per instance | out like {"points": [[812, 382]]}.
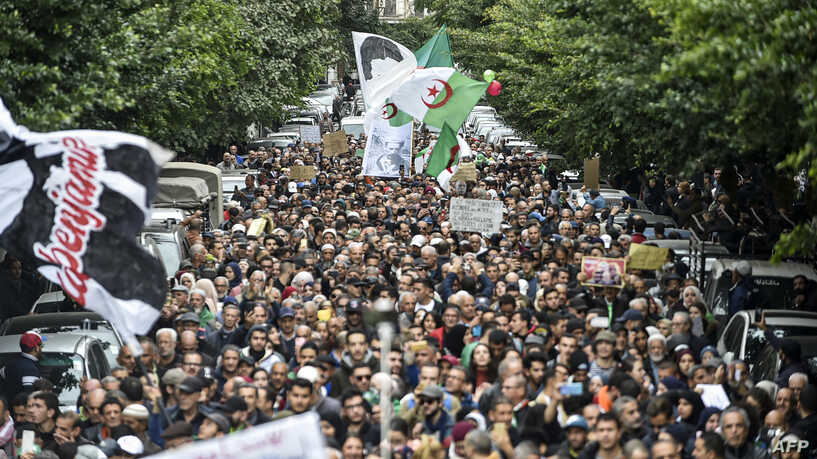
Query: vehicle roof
{"points": [[55, 342], [211, 176], [683, 244], [763, 268], [351, 120], [181, 192], [52, 319], [783, 317]]}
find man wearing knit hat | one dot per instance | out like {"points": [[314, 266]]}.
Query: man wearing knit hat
{"points": [[136, 417], [457, 447]]}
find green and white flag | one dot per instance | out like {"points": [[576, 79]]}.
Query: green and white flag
{"points": [[421, 158], [436, 52], [445, 156], [438, 95]]}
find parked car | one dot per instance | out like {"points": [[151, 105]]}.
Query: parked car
{"points": [[775, 283], [742, 340], [170, 239], [46, 322], [67, 359], [352, 125]]}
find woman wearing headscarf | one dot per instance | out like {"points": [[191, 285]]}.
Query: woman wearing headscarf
{"points": [[233, 274], [709, 419], [689, 408]]}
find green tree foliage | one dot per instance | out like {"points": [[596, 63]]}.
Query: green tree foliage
{"points": [[751, 69], [411, 33], [681, 84], [185, 73]]}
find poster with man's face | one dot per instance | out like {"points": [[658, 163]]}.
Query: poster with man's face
{"points": [[388, 148]]}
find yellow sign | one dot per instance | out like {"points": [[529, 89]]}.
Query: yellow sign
{"points": [[257, 227], [335, 143], [302, 173], [466, 172], [647, 257]]}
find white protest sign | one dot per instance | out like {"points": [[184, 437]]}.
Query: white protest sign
{"points": [[475, 215], [713, 395], [292, 437], [311, 134]]}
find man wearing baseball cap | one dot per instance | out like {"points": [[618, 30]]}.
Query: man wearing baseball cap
{"points": [[21, 372]]}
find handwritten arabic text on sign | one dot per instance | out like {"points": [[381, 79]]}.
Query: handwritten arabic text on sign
{"points": [[475, 215]]}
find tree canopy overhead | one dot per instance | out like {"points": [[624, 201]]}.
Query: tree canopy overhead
{"points": [[186, 73]]}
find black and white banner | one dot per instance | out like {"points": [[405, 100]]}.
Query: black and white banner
{"points": [[71, 204]]}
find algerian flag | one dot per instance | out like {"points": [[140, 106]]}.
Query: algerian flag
{"points": [[439, 95], [445, 156], [387, 111], [436, 52], [421, 158]]}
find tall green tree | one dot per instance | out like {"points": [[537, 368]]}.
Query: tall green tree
{"points": [[186, 73], [751, 70]]}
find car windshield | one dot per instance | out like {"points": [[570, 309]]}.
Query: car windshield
{"points": [[170, 255], [353, 129]]}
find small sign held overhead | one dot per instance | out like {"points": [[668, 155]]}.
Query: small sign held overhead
{"points": [[591, 173]]}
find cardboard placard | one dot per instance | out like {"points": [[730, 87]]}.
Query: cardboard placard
{"points": [[258, 227], [466, 172], [302, 173], [647, 257], [475, 215], [311, 134], [604, 272], [335, 143], [591, 174]]}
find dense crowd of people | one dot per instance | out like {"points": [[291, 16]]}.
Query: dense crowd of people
{"points": [[501, 350]]}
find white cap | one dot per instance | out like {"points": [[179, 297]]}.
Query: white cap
{"points": [[131, 444], [309, 373], [418, 240], [327, 246], [352, 214], [435, 241], [743, 268], [239, 227], [136, 410]]}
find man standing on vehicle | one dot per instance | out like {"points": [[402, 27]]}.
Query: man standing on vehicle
{"points": [[21, 372], [741, 287]]}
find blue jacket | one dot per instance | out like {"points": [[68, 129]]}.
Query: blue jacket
{"points": [[739, 297]]}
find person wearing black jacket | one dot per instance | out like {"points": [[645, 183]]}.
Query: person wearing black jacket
{"points": [[22, 371]]}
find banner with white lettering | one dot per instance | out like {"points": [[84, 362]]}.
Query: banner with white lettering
{"points": [[475, 215], [71, 205], [294, 437]]}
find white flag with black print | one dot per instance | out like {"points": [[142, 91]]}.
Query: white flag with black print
{"points": [[71, 204]]}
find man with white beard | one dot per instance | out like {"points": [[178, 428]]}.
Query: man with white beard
{"points": [[657, 350]]}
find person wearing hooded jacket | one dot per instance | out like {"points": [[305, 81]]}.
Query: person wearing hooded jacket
{"points": [[357, 351], [265, 357]]}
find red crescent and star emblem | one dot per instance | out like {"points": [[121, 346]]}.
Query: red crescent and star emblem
{"points": [[385, 114], [433, 92]]}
